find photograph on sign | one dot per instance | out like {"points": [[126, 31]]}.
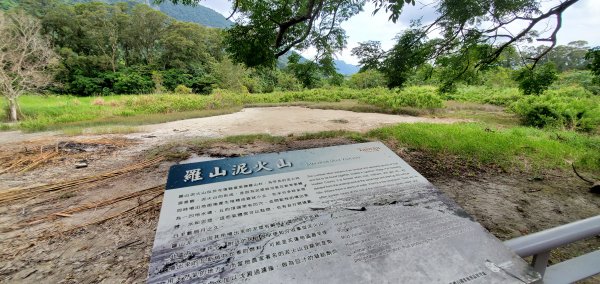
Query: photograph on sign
{"points": [[344, 214]]}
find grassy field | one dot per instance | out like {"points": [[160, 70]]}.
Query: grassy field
{"points": [[496, 137], [523, 149], [63, 112], [566, 107]]}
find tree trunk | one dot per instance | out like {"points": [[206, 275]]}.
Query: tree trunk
{"points": [[12, 105]]}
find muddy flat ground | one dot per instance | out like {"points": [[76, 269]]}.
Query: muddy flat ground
{"points": [[96, 224]]}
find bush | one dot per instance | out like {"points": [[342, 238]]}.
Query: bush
{"points": [[202, 85], [182, 89], [85, 86], [573, 113], [485, 95], [498, 77], [287, 82], [367, 79], [536, 81], [570, 91], [132, 82], [578, 78], [424, 97]]}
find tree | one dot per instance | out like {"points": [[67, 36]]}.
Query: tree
{"points": [[145, 27], [308, 72], [536, 81], [186, 45], [265, 30], [564, 57], [411, 50], [24, 57], [367, 79], [370, 55], [593, 55]]}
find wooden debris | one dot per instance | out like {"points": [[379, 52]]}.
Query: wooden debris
{"points": [[15, 194], [99, 204], [28, 158]]}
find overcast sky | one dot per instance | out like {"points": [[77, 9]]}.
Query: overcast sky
{"points": [[580, 22]]}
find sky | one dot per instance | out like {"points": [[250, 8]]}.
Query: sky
{"points": [[580, 22]]}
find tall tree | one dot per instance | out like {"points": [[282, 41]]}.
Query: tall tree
{"points": [[24, 57], [564, 57], [265, 30], [141, 37], [186, 45], [370, 55], [593, 55]]}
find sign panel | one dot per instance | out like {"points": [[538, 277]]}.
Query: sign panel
{"points": [[344, 214]]}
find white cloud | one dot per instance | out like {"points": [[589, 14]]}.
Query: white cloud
{"points": [[223, 7], [581, 22]]}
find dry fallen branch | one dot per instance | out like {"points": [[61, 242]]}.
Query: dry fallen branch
{"points": [[27, 159], [96, 205], [15, 194], [140, 208]]}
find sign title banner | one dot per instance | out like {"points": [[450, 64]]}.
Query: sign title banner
{"points": [[344, 214]]}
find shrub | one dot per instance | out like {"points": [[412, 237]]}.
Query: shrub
{"points": [[498, 77], [287, 82], [573, 113], [367, 79], [182, 89], [424, 97], [132, 82], [578, 78], [202, 85], [485, 95], [536, 81], [570, 91]]}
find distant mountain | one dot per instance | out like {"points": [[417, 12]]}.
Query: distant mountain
{"points": [[345, 68], [196, 14]]}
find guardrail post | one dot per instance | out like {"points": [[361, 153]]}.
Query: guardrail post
{"points": [[540, 262]]}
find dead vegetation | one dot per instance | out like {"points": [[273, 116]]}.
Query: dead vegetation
{"points": [[16, 194], [42, 152]]}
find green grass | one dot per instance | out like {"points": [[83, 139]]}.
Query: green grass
{"points": [[493, 116], [518, 147], [55, 112], [485, 95], [514, 149]]}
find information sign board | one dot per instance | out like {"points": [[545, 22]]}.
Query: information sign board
{"points": [[344, 214]]}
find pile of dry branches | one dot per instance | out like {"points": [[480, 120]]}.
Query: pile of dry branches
{"points": [[40, 153], [16, 194]]}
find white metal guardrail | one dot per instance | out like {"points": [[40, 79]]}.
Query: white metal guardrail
{"points": [[541, 243]]}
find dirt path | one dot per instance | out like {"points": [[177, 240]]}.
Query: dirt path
{"points": [[268, 120], [280, 121]]}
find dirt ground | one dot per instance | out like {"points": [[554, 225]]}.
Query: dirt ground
{"points": [[96, 224], [282, 121]]}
